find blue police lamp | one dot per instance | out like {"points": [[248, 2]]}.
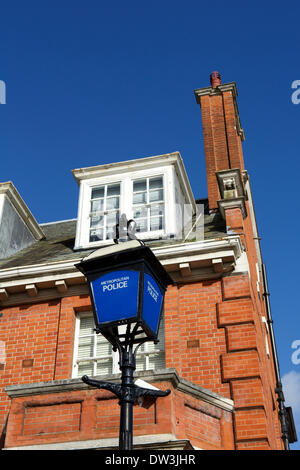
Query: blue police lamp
{"points": [[127, 286]]}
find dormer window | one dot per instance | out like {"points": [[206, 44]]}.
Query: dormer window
{"points": [[105, 211], [148, 204], [153, 191]]}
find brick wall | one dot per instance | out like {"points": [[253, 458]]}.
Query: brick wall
{"points": [[213, 338], [29, 333]]}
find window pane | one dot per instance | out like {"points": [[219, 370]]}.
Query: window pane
{"points": [[151, 347], [156, 361], [156, 223], [141, 225], [112, 203], [97, 205], [103, 347], [110, 233], [86, 326], [161, 335], [140, 198], [157, 210], [97, 220], [156, 195], [140, 212], [113, 190], [155, 183], [140, 185], [96, 235], [85, 368], [97, 192], [140, 362], [104, 367], [112, 218], [85, 347]]}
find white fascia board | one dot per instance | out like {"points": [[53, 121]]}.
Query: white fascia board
{"points": [[124, 167], [203, 246], [208, 249], [138, 164], [38, 270], [42, 279]]}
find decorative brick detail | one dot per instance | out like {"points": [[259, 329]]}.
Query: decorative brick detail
{"points": [[27, 363], [250, 424], [235, 311], [240, 364], [108, 416], [262, 444], [247, 393], [235, 287], [202, 425], [240, 337], [52, 419]]}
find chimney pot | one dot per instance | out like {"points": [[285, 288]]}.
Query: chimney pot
{"points": [[215, 79]]}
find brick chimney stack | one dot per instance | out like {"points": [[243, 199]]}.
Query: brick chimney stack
{"points": [[222, 131]]}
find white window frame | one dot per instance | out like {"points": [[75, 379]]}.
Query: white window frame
{"points": [[126, 204], [150, 233], [145, 352], [84, 211], [105, 212]]}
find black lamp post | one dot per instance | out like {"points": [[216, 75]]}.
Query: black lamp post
{"points": [[127, 285]]}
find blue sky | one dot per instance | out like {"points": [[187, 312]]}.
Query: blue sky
{"points": [[97, 82]]}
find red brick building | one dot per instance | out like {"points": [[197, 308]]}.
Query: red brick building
{"points": [[216, 352]]}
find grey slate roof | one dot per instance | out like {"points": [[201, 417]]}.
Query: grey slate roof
{"points": [[60, 237]]}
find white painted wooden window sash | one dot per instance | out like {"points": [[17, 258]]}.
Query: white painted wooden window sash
{"points": [[105, 211], [148, 204]]}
